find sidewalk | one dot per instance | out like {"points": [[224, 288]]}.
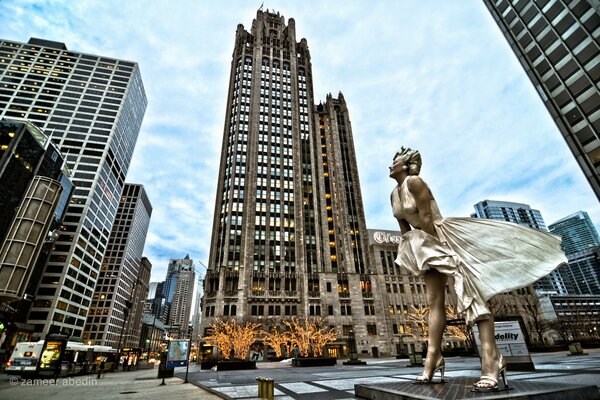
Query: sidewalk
{"points": [[141, 384]]}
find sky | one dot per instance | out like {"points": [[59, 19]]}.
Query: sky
{"points": [[437, 76]]}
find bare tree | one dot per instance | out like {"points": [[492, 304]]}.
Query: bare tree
{"points": [[418, 319], [233, 337]]}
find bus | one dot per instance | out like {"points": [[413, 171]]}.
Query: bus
{"points": [[78, 359], [24, 358]]}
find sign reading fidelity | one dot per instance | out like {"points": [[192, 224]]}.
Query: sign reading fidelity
{"points": [[509, 338]]}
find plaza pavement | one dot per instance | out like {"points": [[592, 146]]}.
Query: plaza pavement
{"points": [[141, 384], [319, 383], [337, 383]]}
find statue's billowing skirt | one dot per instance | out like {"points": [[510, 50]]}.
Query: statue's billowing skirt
{"points": [[485, 257]]}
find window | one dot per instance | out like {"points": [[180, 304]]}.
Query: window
{"points": [[346, 329], [371, 329], [314, 309], [346, 309]]}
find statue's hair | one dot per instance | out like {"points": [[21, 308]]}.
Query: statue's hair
{"points": [[411, 158]]}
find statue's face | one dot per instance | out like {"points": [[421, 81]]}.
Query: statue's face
{"points": [[396, 167]]}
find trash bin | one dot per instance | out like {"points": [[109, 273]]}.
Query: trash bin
{"points": [[266, 388], [415, 359], [575, 348]]}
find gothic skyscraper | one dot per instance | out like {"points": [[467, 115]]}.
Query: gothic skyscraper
{"points": [[289, 235]]}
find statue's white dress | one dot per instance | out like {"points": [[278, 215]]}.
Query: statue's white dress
{"points": [[485, 257]]}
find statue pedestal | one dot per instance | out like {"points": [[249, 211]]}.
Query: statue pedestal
{"points": [[460, 388]]}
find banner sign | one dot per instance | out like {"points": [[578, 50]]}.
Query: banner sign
{"points": [[51, 356], [178, 353], [509, 339]]}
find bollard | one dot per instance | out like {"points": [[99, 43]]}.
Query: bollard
{"points": [[259, 380], [269, 388], [266, 388]]}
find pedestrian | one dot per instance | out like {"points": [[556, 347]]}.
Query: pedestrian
{"points": [[125, 362], [101, 367]]}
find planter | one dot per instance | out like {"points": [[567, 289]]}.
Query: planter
{"points": [[208, 364], [235, 364], [314, 362]]}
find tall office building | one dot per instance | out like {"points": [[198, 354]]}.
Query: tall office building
{"points": [[517, 213], [582, 274], [558, 44], [152, 290], [155, 303], [122, 287], [577, 231], [181, 303], [92, 107], [35, 189], [582, 246], [521, 214], [289, 233]]}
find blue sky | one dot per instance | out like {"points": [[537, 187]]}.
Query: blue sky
{"points": [[436, 76]]}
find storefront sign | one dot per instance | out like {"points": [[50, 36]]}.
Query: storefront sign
{"points": [[386, 237]]}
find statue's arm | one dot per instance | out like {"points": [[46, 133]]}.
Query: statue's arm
{"points": [[423, 198]]}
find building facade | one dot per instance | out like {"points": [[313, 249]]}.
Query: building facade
{"points": [[582, 247], [183, 294], [117, 306], [92, 107], [558, 44], [403, 306], [582, 274], [577, 231], [517, 213], [577, 316], [34, 190], [289, 235]]}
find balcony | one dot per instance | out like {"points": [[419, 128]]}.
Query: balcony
{"points": [[273, 294]]}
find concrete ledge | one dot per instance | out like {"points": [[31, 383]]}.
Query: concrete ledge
{"points": [[460, 388]]}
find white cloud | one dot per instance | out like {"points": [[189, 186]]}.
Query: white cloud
{"points": [[437, 76]]}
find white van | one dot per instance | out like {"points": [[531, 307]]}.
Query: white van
{"points": [[24, 358]]}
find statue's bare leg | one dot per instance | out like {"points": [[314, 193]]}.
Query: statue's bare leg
{"points": [[491, 361], [436, 289]]}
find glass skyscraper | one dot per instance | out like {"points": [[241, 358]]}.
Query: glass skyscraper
{"points": [[92, 108], [517, 213], [582, 246], [558, 44], [577, 231]]}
